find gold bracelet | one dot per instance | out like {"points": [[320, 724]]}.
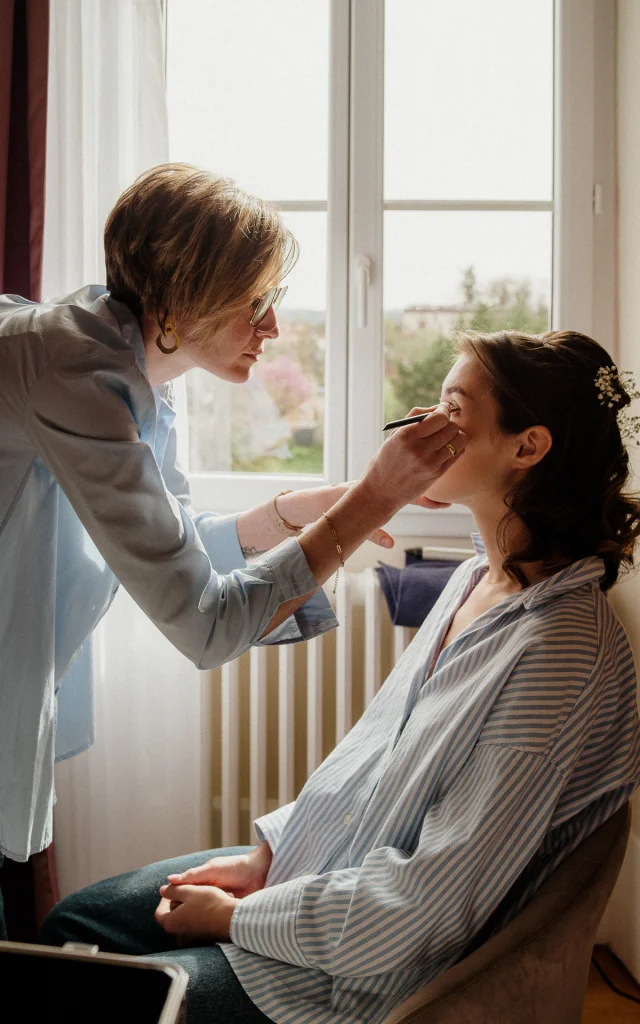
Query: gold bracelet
{"points": [[339, 550], [280, 520]]}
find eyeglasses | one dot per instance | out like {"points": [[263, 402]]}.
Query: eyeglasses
{"points": [[271, 298]]}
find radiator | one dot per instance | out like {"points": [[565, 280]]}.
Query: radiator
{"points": [[186, 760], [280, 711]]}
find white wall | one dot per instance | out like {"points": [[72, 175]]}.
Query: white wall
{"points": [[621, 926]]}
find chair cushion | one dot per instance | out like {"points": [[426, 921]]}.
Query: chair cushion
{"points": [[535, 970]]}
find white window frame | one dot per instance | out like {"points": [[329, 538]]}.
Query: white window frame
{"points": [[583, 237], [582, 205], [231, 492]]}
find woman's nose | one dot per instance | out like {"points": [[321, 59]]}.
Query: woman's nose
{"points": [[268, 326]]}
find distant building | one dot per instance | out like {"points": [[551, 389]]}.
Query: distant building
{"points": [[436, 319], [443, 320]]}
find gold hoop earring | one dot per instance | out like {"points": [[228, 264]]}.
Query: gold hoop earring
{"points": [[168, 328]]}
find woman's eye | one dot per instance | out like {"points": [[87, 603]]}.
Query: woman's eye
{"points": [[453, 407]]}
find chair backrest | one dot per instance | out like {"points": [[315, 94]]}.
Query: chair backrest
{"points": [[535, 970]]}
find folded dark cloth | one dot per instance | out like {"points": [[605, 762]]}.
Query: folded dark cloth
{"points": [[411, 592]]}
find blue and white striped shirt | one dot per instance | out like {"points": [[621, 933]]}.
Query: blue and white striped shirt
{"points": [[502, 752]]}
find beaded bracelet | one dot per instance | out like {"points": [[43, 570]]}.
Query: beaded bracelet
{"points": [[339, 550]]}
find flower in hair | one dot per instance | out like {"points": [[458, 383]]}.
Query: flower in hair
{"points": [[612, 386]]}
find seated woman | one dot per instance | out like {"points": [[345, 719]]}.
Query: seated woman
{"points": [[506, 733]]}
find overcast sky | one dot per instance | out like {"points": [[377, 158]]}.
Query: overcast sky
{"points": [[468, 101]]}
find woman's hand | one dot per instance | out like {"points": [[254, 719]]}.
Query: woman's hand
{"points": [[409, 461], [307, 506], [195, 914], [402, 470], [241, 873], [304, 507]]}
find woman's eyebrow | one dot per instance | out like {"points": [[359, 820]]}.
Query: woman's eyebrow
{"points": [[455, 389]]}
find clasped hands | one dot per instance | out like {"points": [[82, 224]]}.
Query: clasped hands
{"points": [[196, 906]]}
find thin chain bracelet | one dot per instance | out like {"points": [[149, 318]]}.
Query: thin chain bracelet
{"points": [[281, 521], [339, 550]]}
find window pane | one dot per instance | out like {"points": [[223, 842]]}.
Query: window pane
{"points": [[275, 422], [445, 270], [247, 92], [468, 99]]}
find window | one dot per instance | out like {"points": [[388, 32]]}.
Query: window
{"points": [[436, 162]]}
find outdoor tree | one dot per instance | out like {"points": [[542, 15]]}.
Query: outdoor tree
{"points": [[416, 364], [469, 286], [286, 382], [419, 383]]}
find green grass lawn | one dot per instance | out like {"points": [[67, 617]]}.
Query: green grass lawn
{"points": [[304, 459]]}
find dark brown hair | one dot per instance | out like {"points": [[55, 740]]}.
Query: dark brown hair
{"points": [[573, 502], [183, 242]]}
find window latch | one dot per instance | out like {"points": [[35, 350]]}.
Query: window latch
{"points": [[363, 281]]}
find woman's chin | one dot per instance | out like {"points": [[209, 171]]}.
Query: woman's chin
{"points": [[234, 374], [440, 492], [442, 496]]}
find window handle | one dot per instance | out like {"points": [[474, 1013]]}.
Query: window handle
{"points": [[363, 280]]}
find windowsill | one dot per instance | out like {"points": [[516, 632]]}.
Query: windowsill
{"points": [[226, 492]]}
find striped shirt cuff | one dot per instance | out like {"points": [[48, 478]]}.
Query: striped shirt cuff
{"points": [[219, 536], [271, 826], [293, 577], [291, 569], [265, 922]]}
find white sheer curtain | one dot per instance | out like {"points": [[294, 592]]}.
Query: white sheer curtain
{"points": [[140, 793], [107, 122]]}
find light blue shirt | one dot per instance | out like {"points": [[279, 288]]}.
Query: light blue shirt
{"points": [[91, 495], [470, 776]]}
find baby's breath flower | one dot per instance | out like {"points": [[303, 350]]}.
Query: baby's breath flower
{"points": [[611, 386]]}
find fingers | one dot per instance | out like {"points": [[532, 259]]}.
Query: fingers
{"points": [[192, 876], [382, 539], [175, 893], [201, 874], [448, 434], [161, 911], [438, 418], [426, 502]]}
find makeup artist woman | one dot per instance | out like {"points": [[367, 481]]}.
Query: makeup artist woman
{"points": [[90, 494]]}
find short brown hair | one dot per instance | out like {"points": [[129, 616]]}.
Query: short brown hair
{"points": [[183, 242], [574, 502]]}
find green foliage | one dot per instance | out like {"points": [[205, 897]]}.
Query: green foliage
{"points": [[469, 286], [394, 409], [513, 309], [419, 383], [304, 459], [417, 363]]}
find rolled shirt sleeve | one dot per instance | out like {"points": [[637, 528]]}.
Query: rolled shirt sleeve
{"points": [[81, 419], [473, 845], [271, 826], [219, 536]]}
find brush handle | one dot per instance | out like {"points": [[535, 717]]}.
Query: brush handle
{"points": [[410, 419]]}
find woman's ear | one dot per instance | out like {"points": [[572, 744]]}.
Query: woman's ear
{"points": [[533, 445]]}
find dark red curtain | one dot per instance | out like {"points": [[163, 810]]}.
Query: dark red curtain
{"points": [[29, 890], [24, 51]]}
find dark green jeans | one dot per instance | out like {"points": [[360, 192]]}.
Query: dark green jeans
{"points": [[117, 915], [3, 927]]}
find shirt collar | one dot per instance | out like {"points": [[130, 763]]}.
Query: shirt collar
{"points": [[478, 544], [585, 570], [129, 328], [578, 574]]}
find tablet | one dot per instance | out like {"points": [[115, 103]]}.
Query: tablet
{"points": [[78, 984]]}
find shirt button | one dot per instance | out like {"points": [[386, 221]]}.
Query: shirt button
{"points": [[347, 819]]}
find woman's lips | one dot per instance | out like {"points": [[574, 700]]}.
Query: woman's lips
{"points": [[252, 355]]}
